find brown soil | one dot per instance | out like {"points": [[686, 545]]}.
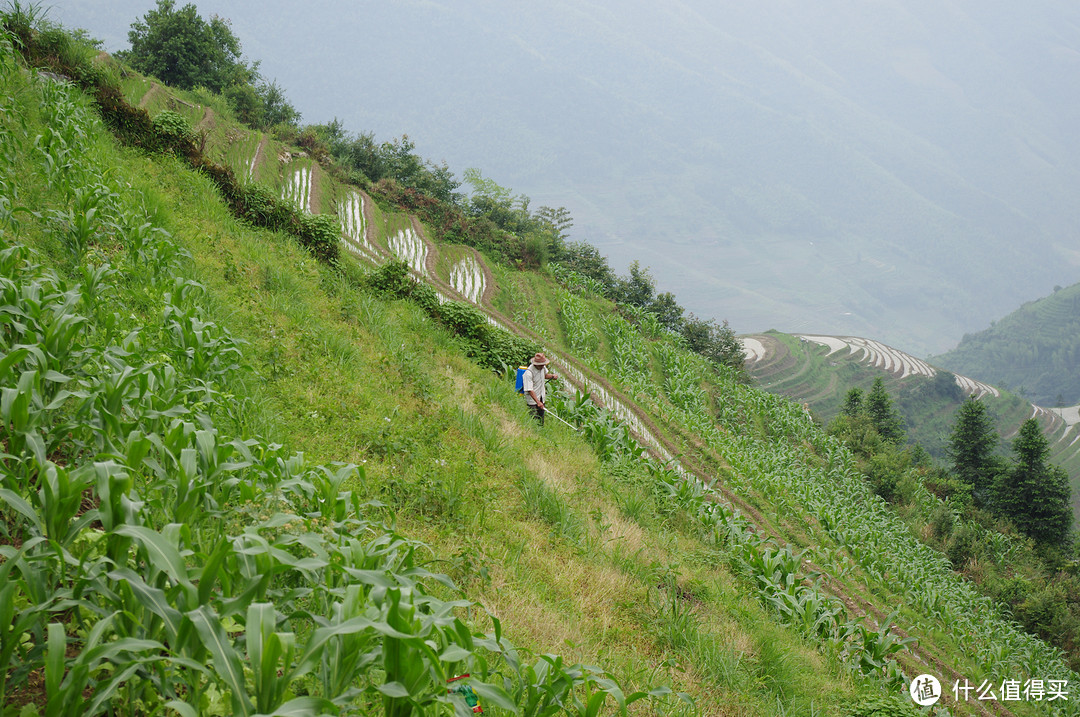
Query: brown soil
{"points": [[208, 121], [489, 279], [369, 225], [150, 94], [430, 261]]}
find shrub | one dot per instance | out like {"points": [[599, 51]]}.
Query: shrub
{"points": [[172, 132], [488, 345], [320, 234]]}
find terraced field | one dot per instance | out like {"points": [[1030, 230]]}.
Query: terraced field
{"points": [[297, 188], [410, 248], [900, 364], [467, 278]]}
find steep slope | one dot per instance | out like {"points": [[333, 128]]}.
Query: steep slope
{"points": [[757, 573], [1034, 350]]}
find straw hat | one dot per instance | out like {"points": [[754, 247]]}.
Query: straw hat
{"points": [[539, 360]]}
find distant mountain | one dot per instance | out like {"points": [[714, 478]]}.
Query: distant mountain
{"points": [[902, 169], [1034, 350]]}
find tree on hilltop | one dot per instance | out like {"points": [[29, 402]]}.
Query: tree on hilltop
{"points": [[182, 50]]}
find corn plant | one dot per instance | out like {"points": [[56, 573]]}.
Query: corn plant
{"points": [[578, 325]]}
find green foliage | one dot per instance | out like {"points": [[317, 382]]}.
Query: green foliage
{"points": [[249, 653], [638, 288], [183, 50], [1036, 348], [394, 160], [881, 706], [853, 403], [488, 345], [172, 132], [879, 408], [716, 342], [586, 260], [1033, 495], [582, 269], [320, 234], [972, 447], [274, 108], [261, 105], [152, 563]]}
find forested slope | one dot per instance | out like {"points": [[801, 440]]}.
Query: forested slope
{"points": [[1034, 350]]}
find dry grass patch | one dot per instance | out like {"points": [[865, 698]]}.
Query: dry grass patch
{"points": [[628, 532]]}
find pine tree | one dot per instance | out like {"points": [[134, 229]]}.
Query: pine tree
{"points": [[971, 447], [853, 403], [1035, 496], [879, 408]]}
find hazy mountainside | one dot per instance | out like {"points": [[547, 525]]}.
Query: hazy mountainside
{"points": [[1034, 350], [177, 367], [819, 371], [902, 170]]}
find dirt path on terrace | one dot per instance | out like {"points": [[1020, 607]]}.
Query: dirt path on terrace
{"points": [[149, 95], [489, 278], [379, 252], [432, 257], [208, 121], [369, 221]]}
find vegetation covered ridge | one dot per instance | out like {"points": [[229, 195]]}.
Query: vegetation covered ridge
{"points": [[1034, 351], [790, 649]]}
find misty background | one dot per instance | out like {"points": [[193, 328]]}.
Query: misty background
{"points": [[905, 170]]}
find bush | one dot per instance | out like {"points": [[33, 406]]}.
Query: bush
{"points": [[963, 545], [320, 234], [880, 706], [488, 345], [173, 132]]}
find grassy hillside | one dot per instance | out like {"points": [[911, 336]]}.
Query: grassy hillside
{"points": [[238, 479], [1034, 350]]}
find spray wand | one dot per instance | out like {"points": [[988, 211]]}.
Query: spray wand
{"points": [[548, 411]]}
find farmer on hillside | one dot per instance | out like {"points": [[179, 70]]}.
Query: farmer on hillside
{"points": [[534, 383]]}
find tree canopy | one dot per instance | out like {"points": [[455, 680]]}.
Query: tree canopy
{"points": [[972, 446], [182, 50], [883, 415], [1034, 495]]}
